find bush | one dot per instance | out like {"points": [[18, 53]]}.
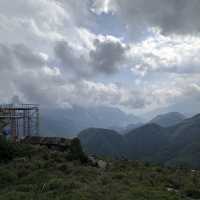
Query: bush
{"points": [[7, 177], [119, 176], [13, 195], [10, 150], [76, 152], [7, 150], [23, 150], [55, 184], [25, 188], [192, 193]]}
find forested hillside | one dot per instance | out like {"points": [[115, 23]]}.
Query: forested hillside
{"points": [[175, 145]]}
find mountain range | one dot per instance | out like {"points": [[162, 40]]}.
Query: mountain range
{"points": [[68, 122], [178, 144], [168, 119]]}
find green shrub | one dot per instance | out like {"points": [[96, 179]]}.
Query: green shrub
{"points": [[25, 188], [7, 177], [38, 176], [10, 150], [7, 150], [64, 168], [119, 176], [23, 150], [55, 184], [76, 152], [13, 195], [192, 193]]}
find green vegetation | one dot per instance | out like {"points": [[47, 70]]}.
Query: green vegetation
{"points": [[37, 173], [9, 151], [178, 145]]}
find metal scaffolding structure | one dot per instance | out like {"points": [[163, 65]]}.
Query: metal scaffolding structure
{"points": [[22, 119]]}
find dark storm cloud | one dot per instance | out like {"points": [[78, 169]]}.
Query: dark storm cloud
{"points": [[171, 16], [70, 60], [107, 56]]}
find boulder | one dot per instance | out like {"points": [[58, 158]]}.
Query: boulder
{"points": [[92, 161], [102, 164]]}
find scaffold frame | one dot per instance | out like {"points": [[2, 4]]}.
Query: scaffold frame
{"points": [[23, 119]]}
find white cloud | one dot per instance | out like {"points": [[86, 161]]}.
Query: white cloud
{"points": [[171, 54], [50, 56], [103, 6]]}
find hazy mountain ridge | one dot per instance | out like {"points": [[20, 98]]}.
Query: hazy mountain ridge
{"points": [[176, 145], [168, 119], [163, 120], [70, 121], [126, 129]]}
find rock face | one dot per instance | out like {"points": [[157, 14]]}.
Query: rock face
{"points": [[72, 147], [55, 143]]}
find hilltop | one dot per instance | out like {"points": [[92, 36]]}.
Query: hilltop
{"points": [[34, 172], [168, 119]]}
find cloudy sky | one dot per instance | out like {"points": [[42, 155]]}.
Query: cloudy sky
{"points": [[136, 55]]}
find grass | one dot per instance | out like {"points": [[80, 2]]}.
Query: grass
{"points": [[42, 174]]}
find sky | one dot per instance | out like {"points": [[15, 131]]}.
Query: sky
{"points": [[136, 55]]}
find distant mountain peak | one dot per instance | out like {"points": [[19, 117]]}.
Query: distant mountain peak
{"points": [[171, 146], [168, 119], [70, 121]]}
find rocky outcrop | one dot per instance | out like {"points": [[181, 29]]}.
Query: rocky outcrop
{"points": [[72, 147], [93, 161], [54, 143]]}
